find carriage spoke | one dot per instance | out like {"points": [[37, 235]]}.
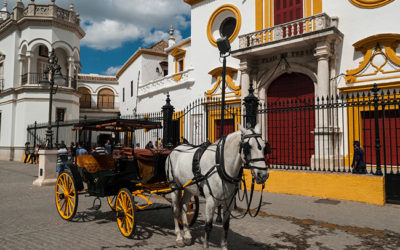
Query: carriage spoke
{"points": [[61, 187], [63, 204], [129, 215]]}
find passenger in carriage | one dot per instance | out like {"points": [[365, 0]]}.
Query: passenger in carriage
{"points": [[108, 147], [149, 145], [62, 159], [99, 150]]}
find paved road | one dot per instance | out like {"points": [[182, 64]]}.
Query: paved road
{"points": [[29, 220]]}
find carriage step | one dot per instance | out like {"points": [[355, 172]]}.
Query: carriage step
{"points": [[96, 206]]}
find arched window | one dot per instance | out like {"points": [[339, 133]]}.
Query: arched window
{"points": [[85, 100], [105, 99]]}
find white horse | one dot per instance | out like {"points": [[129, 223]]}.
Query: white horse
{"points": [[242, 147]]}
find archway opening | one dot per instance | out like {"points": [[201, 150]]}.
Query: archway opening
{"points": [[291, 119]]}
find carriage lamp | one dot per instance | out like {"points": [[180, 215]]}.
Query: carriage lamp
{"points": [[54, 70]]}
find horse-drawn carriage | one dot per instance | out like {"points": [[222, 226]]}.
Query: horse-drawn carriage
{"points": [[121, 177]]}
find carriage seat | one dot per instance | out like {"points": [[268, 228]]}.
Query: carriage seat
{"points": [[94, 163]]}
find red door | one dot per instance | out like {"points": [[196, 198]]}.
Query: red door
{"points": [[291, 119], [389, 135], [229, 127], [286, 11]]}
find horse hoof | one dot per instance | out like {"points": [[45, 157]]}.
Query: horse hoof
{"points": [[187, 241], [180, 243]]}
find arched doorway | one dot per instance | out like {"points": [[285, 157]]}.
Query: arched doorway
{"points": [[291, 119]]}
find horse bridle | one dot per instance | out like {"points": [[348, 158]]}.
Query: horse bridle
{"points": [[245, 146]]}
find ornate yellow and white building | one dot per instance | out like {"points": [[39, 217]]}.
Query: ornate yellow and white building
{"points": [[290, 49]]}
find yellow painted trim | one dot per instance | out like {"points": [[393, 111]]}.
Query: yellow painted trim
{"points": [[180, 115], [177, 77], [222, 8], [386, 85], [317, 7], [367, 46], [178, 53], [259, 15], [230, 73], [386, 39], [369, 4], [361, 188], [193, 2], [216, 115], [307, 7], [135, 56], [267, 24]]}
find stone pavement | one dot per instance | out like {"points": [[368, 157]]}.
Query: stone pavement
{"points": [[29, 220]]}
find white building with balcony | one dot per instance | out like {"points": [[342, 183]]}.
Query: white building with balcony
{"points": [[288, 49], [27, 35]]}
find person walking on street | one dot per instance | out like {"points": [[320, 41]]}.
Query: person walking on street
{"points": [[81, 150], [34, 155], [358, 165], [27, 152]]}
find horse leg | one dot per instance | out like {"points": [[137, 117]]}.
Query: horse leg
{"points": [[225, 220], [187, 237], [176, 208], [210, 207]]}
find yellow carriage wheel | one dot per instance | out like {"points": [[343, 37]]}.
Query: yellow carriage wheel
{"points": [[111, 201], [125, 209], [192, 211], [66, 196]]}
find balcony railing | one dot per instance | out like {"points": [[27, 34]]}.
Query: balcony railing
{"points": [[42, 78], [1, 85], [165, 83], [295, 28], [52, 11]]}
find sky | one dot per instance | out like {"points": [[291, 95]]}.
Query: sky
{"points": [[115, 29]]}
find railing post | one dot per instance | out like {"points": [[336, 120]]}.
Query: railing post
{"points": [[375, 90], [167, 111], [57, 127], [251, 104]]}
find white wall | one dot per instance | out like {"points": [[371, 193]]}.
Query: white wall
{"points": [[130, 74]]}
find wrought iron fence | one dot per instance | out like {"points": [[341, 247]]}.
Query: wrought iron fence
{"points": [[318, 134]]}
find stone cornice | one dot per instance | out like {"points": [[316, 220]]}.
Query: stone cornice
{"points": [[11, 25], [36, 89]]}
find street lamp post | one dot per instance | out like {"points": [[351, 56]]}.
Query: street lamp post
{"points": [[52, 68], [224, 48]]}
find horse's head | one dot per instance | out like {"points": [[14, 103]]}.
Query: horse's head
{"points": [[252, 153]]}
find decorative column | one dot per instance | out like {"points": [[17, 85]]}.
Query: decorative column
{"points": [[322, 53], [29, 56], [326, 133], [168, 111], [21, 60], [245, 83], [70, 70]]}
